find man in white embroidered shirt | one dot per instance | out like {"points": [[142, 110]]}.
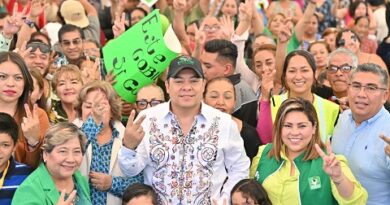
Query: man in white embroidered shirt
{"points": [[186, 148]]}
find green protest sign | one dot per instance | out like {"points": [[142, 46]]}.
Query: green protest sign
{"points": [[139, 55]]}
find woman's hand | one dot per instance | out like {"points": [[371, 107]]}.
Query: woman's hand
{"points": [[331, 164], [100, 181], [69, 200], [100, 107], [30, 125]]}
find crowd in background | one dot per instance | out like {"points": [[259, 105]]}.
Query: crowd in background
{"points": [[269, 102]]}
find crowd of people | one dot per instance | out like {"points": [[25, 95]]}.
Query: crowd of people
{"points": [[269, 102]]}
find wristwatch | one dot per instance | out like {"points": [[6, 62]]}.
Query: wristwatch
{"points": [[29, 23]]}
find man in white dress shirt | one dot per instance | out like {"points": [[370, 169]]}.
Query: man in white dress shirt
{"points": [[190, 152]]}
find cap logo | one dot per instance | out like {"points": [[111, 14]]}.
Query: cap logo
{"points": [[185, 61]]}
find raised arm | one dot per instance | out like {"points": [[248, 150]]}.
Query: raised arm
{"points": [[89, 9], [179, 7], [281, 52], [309, 12]]}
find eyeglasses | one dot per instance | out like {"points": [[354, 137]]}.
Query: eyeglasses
{"points": [[75, 42], [212, 28], [342, 68], [369, 89], [142, 104], [43, 47]]}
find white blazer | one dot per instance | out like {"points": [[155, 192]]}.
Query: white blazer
{"points": [[114, 165]]}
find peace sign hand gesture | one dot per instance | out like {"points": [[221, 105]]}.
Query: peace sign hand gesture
{"points": [[13, 23], [119, 24], [30, 125], [134, 132], [69, 200], [331, 164]]}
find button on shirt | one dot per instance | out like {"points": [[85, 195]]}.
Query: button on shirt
{"points": [[188, 169], [364, 150]]}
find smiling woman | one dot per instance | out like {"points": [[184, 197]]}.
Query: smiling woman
{"points": [[295, 160], [57, 179], [298, 78], [15, 87]]}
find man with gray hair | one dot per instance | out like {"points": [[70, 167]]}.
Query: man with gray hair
{"points": [[340, 63], [357, 133]]}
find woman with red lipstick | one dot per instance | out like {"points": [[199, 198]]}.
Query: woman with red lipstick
{"points": [[15, 87], [296, 169], [220, 94], [67, 83], [57, 180]]}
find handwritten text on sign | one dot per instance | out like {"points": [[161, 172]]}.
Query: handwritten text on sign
{"points": [[138, 56]]}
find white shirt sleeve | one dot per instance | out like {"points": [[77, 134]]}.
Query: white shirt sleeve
{"points": [[236, 162], [132, 162], [241, 67]]}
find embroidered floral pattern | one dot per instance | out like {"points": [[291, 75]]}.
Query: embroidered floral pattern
{"points": [[183, 163]]}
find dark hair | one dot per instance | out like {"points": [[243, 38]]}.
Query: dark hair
{"points": [[139, 9], [224, 48], [340, 42], [38, 33], [66, 28], [250, 188], [9, 126], [28, 82], [209, 82], [309, 58], [354, 5], [357, 19], [137, 190], [42, 102]]}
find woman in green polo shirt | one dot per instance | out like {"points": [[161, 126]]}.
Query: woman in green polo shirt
{"points": [[294, 169], [57, 179]]}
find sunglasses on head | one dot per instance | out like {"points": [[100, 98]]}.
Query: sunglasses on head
{"points": [[44, 48]]}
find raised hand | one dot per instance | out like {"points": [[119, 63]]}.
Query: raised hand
{"points": [[227, 27], [37, 8], [119, 24], [331, 164], [134, 132], [284, 34], [69, 200], [246, 11], [387, 148], [23, 51], [91, 72], [100, 107], [110, 77], [30, 125], [100, 181], [200, 36], [13, 23], [179, 5]]}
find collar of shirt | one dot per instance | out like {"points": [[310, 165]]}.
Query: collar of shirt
{"points": [[204, 114], [369, 121]]}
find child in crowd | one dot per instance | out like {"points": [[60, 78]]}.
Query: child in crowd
{"points": [[12, 173]]}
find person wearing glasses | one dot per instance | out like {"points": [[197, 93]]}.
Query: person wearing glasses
{"points": [[358, 132], [340, 63], [149, 96], [71, 39], [99, 111]]}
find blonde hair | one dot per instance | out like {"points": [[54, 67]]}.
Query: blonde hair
{"points": [[69, 71], [297, 105], [112, 96], [61, 133]]}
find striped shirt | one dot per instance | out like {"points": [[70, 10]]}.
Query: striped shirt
{"points": [[16, 174]]}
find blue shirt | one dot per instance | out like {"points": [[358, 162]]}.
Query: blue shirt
{"points": [[101, 155], [364, 150], [16, 174]]}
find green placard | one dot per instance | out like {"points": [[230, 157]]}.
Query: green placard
{"points": [[138, 56]]}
